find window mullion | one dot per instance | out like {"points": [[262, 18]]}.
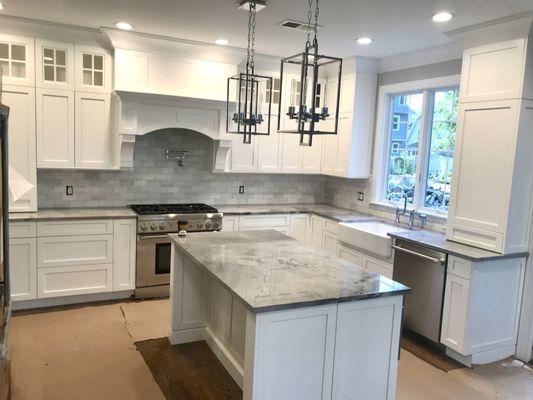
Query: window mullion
{"points": [[425, 123]]}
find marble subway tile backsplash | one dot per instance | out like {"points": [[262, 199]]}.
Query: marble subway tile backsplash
{"points": [[155, 179]]}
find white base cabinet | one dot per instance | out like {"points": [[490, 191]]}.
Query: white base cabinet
{"points": [[481, 308], [72, 257], [372, 264], [323, 234]]}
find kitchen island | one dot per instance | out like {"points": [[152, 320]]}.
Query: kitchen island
{"points": [[287, 321]]}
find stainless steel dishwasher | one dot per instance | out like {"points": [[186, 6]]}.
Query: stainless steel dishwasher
{"points": [[424, 271]]}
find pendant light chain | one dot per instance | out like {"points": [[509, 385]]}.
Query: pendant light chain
{"points": [[317, 12], [309, 16], [251, 37]]}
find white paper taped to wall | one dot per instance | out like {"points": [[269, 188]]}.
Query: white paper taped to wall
{"points": [[18, 185]]}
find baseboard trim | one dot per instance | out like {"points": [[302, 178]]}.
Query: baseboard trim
{"points": [[186, 336], [71, 300], [484, 357]]}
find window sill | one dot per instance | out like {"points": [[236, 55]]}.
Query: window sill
{"points": [[434, 216]]}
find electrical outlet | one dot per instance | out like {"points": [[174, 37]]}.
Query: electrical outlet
{"points": [[241, 189], [69, 191], [360, 196]]}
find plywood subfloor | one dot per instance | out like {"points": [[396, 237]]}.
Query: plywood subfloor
{"points": [[89, 353], [188, 371]]}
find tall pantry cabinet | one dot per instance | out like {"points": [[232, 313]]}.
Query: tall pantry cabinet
{"points": [[18, 92]]}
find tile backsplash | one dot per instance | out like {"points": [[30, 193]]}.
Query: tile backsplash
{"points": [[155, 179]]}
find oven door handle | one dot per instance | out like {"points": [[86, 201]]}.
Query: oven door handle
{"points": [[153, 237], [436, 260]]}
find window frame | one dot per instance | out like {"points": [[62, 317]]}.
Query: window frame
{"points": [[383, 144]]}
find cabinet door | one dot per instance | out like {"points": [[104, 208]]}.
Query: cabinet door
{"points": [[124, 241], [21, 102], [54, 65], [17, 60], [311, 157], [92, 134], [330, 152], [55, 128], [244, 155], [75, 280], [23, 268], [299, 227], [269, 152], [329, 243], [230, 224], [350, 255], [345, 141], [455, 313], [93, 67], [378, 266], [317, 228], [290, 159]]}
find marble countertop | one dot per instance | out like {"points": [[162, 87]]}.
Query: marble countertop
{"points": [[437, 241], [270, 271], [334, 213], [74, 213]]}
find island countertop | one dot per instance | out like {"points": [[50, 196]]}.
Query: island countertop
{"points": [[270, 271]]}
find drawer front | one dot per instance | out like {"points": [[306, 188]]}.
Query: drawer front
{"points": [[459, 267], [264, 221], [74, 251], [75, 227], [380, 267], [332, 226], [68, 281], [350, 255], [26, 229]]}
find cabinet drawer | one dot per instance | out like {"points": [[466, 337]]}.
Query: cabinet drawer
{"points": [[74, 227], [68, 281], [264, 221], [380, 267], [332, 226], [74, 250], [24, 229], [459, 267], [350, 255]]}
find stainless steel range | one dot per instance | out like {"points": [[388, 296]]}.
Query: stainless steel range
{"points": [[154, 223]]}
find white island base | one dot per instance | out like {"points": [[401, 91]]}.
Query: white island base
{"points": [[346, 350]]}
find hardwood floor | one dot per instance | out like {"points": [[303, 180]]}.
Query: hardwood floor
{"points": [[188, 371]]}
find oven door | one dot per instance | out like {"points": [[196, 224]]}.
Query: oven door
{"points": [[153, 260]]}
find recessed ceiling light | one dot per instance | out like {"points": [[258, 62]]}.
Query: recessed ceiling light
{"points": [[442, 17], [245, 5], [221, 42], [123, 25], [364, 40], [1, 6]]}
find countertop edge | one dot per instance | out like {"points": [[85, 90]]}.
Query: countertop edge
{"points": [[496, 256]]}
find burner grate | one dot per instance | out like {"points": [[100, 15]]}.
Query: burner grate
{"points": [[187, 208]]}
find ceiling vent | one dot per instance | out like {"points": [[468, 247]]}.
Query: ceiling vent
{"points": [[245, 5], [298, 25]]}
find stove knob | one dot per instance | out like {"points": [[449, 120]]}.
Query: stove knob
{"points": [[143, 228], [152, 227], [208, 224], [162, 227]]}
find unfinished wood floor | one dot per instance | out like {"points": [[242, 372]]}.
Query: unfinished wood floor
{"points": [[89, 353]]}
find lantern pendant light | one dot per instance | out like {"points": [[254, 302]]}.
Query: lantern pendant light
{"points": [[314, 83], [249, 96]]}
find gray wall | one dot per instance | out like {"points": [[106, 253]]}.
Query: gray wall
{"points": [[446, 68], [155, 179]]}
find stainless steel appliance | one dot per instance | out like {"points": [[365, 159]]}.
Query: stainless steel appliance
{"points": [[154, 222], [5, 300], [424, 271]]}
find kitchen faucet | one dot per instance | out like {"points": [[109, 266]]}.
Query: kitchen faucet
{"points": [[412, 214]]}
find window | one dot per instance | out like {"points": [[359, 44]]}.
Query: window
{"points": [[396, 122], [421, 168], [275, 90]]}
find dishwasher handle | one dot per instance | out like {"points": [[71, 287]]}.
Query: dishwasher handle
{"points": [[436, 260]]}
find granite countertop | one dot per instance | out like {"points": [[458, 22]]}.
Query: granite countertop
{"points": [[270, 271], [334, 213], [74, 213], [437, 241]]}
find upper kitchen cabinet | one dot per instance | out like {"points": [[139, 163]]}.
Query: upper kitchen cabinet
{"points": [[348, 154], [94, 68], [54, 65], [166, 74], [21, 102], [17, 61], [491, 201]]}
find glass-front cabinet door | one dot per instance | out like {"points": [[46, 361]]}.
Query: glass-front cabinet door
{"points": [[16, 60], [93, 69], [54, 65]]}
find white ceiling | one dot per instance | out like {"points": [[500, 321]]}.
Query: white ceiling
{"points": [[398, 26]]}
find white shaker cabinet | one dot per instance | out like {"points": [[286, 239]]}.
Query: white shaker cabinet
{"points": [[22, 141], [54, 65], [493, 169], [94, 67], [290, 160], [269, 152], [92, 139], [23, 260], [17, 61], [55, 128], [124, 245], [244, 157], [323, 234]]}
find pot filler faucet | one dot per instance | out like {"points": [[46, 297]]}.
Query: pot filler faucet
{"points": [[412, 214]]}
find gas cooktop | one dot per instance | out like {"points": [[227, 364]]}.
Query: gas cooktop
{"points": [[187, 208]]}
